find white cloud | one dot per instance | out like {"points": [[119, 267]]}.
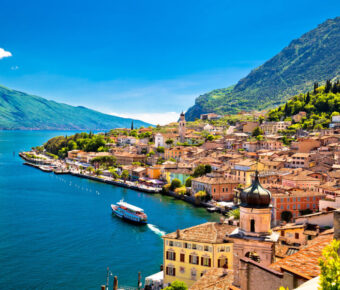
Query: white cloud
{"points": [[152, 118], [14, 67], [4, 53]]}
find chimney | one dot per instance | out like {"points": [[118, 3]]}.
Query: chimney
{"points": [[178, 235]]}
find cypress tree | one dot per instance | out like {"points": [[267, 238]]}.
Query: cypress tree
{"points": [[307, 98], [328, 86], [335, 88], [316, 85]]}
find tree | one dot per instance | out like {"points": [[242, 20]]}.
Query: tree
{"points": [[114, 173], [330, 267], [201, 195], [90, 169], [125, 175], [188, 181], [210, 137], [169, 142], [261, 119], [207, 168], [99, 172], [257, 131], [177, 285], [307, 98], [160, 149], [199, 171], [328, 86], [286, 216], [175, 183], [316, 85], [235, 213]]}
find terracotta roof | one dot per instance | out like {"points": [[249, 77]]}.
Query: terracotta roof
{"points": [[214, 279], [305, 261], [210, 232], [214, 180]]}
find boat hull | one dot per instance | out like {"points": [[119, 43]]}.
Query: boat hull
{"points": [[116, 212]]}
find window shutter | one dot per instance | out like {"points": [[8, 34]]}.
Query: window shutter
{"points": [[209, 262], [219, 263], [190, 259], [174, 271], [182, 258], [167, 255], [174, 256], [167, 270], [201, 261]]}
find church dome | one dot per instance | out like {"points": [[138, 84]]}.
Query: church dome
{"points": [[255, 196]]}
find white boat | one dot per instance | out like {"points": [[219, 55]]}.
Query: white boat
{"points": [[129, 212]]}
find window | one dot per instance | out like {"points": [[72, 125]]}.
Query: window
{"points": [[205, 261], [206, 248], [288, 206], [299, 206], [171, 255], [252, 226], [171, 243], [171, 271], [182, 269], [194, 247], [182, 258], [193, 274], [296, 236], [282, 233], [193, 259], [222, 262], [294, 206]]}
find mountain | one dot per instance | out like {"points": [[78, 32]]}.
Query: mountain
{"points": [[314, 57], [23, 111]]}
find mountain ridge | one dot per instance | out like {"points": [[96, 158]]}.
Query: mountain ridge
{"points": [[313, 57], [22, 111]]}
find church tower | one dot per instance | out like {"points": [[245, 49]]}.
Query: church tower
{"points": [[254, 239], [181, 128]]}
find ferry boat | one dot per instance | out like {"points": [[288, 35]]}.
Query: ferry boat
{"points": [[129, 212]]}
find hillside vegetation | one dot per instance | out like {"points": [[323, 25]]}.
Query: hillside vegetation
{"points": [[314, 57], [320, 105], [19, 110]]}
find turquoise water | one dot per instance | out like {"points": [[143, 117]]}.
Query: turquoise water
{"points": [[57, 231]]}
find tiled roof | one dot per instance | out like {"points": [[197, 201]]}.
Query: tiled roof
{"points": [[210, 232], [214, 279], [304, 261], [213, 180]]}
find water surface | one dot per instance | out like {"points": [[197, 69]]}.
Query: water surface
{"points": [[57, 231]]}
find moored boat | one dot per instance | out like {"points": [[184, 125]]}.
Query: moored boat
{"points": [[129, 212]]}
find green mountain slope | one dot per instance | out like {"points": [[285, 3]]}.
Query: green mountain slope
{"points": [[314, 57], [23, 111]]}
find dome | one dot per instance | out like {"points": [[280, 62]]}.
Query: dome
{"points": [[255, 196], [182, 114]]}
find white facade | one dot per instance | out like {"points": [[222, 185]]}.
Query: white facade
{"points": [[159, 140]]}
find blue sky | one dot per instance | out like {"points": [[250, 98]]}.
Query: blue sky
{"points": [[143, 58]]}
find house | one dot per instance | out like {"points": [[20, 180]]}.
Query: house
{"points": [[294, 202], [219, 188], [190, 253], [300, 160], [270, 128], [210, 116], [242, 170], [126, 158], [159, 140], [153, 172], [298, 117]]}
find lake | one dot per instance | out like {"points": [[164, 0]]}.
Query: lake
{"points": [[57, 231]]}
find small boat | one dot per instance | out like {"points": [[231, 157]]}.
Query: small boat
{"points": [[212, 209], [46, 168], [129, 212]]}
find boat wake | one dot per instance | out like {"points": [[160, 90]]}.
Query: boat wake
{"points": [[156, 230]]}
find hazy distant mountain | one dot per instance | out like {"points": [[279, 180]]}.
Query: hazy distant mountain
{"points": [[315, 56], [23, 111]]}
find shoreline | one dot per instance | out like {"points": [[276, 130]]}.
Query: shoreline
{"points": [[39, 164]]}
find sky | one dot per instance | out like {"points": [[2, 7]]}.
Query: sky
{"points": [[145, 59]]}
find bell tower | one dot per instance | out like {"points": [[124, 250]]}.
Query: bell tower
{"points": [[181, 128], [254, 239]]}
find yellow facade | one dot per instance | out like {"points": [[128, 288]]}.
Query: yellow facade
{"points": [[187, 261], [292, 235]]}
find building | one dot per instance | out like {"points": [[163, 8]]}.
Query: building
{"points": [[182, 128], [294, 202], [159, 140], [301, 181], [270, 128], [126, 158], [253, 239], [242, 170], [190, 253], [298, 117], [219, 188], [210, 116]]}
